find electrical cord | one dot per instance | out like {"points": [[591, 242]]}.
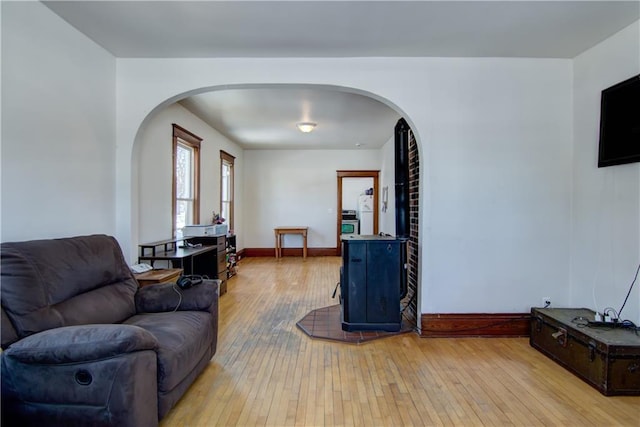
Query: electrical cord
{"points": [[176, 290], [402, 311], [335, 290], [409, 302], [629, 293], [625, 324], [583, 322], [612, 313], [628, 324]]}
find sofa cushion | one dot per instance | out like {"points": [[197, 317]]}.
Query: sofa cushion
{"points": [[63, 282], [183, 339], [163, 297]]}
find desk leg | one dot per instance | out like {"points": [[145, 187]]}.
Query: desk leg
{"points": [[304, 247], [276, 244]]}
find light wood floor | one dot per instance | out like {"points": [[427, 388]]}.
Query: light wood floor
{"points": [[267, 372]]}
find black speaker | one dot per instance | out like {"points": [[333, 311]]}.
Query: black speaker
{"points": [[186, 282]]}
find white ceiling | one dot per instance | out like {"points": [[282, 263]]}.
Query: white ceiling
{"points": [[557, 29], [264, 118]]}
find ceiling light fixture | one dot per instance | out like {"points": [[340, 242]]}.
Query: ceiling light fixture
{"points": [[306, 127]]}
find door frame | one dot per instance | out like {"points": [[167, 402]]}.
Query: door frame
{"points": [[375, 174]]}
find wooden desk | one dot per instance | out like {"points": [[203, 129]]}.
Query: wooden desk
{"points": [[199, 260], [280, 231], [158, 276]]}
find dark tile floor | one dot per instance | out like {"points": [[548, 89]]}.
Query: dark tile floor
{"points": [[324, 323]]}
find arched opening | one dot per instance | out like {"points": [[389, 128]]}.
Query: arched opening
{"points": [[137, 202]]}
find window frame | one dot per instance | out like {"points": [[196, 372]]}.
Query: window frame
{"points": [[229, 159], [181, 136]]}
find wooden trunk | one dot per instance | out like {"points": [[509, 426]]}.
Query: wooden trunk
{"points": [[606, 358]]}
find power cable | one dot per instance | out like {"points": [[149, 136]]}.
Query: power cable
{"points": [[629, 293]]}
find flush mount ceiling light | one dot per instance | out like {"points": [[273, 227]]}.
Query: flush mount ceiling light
{"points": [[306, 127]]}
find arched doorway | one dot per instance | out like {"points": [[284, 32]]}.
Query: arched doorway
{"points": [[414, 277]]}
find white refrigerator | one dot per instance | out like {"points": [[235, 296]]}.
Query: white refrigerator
{"points": [[365, 214]]}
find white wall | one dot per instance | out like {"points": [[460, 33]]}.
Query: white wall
{"points": [[155, 173], [296, 188], [58, 128], [494, 137], [497, 165], [606, 201]]}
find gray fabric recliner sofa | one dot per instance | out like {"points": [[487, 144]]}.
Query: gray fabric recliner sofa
{"points": [[83, 346]]}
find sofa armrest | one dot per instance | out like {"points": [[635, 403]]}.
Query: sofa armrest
{"points": [[83, 343], [164, 297], [90, 375]]}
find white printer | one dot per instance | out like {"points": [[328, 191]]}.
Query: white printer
{"points": [[199, 230]]}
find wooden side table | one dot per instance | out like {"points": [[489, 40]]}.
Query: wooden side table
{"points": [[280, 231], [158, 276]]}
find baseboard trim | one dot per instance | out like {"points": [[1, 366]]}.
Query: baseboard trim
{"points": [[475, 325], [293, 252]]}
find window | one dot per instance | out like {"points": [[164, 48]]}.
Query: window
{"points": [[226, 187], [186, 178]]}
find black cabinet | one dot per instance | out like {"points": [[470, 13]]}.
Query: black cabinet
{"points": [[216, 267], [372, 282]]}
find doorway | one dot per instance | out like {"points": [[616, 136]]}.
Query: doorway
{"points": [[359, 174]]}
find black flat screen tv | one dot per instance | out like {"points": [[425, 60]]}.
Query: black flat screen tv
{"points": [[620, 123]]}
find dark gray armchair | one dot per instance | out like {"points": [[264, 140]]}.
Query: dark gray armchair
{"points": [[83, 346]]}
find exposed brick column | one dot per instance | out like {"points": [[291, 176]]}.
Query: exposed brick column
{"points": [[410, 312]]}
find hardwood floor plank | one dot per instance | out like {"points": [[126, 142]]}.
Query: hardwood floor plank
{"points": [[267, 372]]}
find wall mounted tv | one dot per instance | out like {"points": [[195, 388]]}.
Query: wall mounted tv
{"points": [[620, 123]]}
